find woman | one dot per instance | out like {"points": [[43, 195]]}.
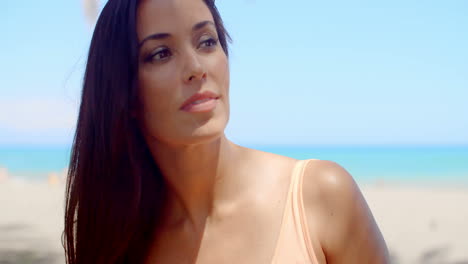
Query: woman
{"points": [[153, 179]]}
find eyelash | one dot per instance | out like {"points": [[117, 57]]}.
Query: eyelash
{"points": [[151, 57]]}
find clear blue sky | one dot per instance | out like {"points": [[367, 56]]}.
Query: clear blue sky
{"points": [[302, 72]]}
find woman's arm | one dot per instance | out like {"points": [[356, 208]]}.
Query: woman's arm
{"points": [[339, 217]]}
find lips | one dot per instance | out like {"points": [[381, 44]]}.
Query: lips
{"points": [[198, 99]]}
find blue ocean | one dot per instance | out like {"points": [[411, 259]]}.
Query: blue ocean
{"points": [[436, 164]]}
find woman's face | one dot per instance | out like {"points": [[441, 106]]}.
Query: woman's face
{"points": [[180, 57]]}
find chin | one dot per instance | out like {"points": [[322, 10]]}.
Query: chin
{"points": [[207, 127], [208, 132], [204, 133]]}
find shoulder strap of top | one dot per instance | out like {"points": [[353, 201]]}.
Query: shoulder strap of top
{"points": [[299, 211], [293, 244]]}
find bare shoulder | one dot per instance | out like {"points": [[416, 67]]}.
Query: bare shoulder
{"points": [[329, 185], [271, 172], [325, 177], [338, 216], [268, 162]]}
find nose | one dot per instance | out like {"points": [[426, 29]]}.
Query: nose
{"points": [[194, 68]]}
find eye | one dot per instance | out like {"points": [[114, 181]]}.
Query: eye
{"points": [[159, 55], [209, 43]]}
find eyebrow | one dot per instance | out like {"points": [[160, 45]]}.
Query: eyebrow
{"points": [[156, 36]]}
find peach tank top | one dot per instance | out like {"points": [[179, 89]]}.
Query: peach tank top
{"points": [[294, 245]]}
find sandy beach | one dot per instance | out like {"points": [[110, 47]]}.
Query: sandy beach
{"points": [[420, 224], [31, 222]]}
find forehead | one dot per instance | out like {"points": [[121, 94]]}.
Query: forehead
{"points": [[170, 16]]}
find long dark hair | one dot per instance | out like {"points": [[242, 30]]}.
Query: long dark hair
{"points": [[114, 190]]}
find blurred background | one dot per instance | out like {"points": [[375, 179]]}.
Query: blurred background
{"points": [[381, 88]]}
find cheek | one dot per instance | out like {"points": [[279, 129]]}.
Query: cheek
{"points": [[155, 86], [156, 96], [221, 77], [221, 72]]}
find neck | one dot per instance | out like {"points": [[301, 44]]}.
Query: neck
{"points": [[196, 177]]}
